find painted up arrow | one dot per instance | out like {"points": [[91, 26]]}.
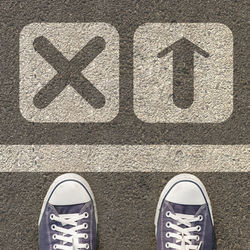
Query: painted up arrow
{"points": [[183, 70]]}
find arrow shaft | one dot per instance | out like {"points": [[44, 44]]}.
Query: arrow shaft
{"points": [[183, 78]]}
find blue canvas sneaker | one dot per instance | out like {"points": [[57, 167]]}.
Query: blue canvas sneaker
{"points": [[184, 216], [68, 218]]}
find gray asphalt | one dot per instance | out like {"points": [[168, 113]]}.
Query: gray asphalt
{"points": [[208, 122], [126, 205], [126, 201]]}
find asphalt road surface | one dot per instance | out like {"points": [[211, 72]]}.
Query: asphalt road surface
{"points": [[126, 204], [129, 119]]}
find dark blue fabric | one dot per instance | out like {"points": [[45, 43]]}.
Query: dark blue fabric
{"points": [[207, 230], [69, 209], [46, 241], [45, 233]]}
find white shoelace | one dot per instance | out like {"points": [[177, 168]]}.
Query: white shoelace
{"points": [[183, 235], [70, 235]]}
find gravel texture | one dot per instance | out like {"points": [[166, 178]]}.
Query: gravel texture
{"points": [[126, 204], [210, 140]]}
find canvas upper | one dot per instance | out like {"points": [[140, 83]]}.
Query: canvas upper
{"points": [[184, 216], [68, 218]]}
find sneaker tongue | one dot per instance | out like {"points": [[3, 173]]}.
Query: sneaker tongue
{"points": [[70, 209], [185, 209]]}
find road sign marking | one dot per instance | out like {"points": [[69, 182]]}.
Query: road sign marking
{"points": [[183, 73], [69, 72], [183, 61]]}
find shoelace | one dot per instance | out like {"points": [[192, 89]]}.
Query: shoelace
{"points": [[70, 235], [183, 235]]}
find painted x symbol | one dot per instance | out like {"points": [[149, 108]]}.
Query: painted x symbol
{"points": [[69, 72]]}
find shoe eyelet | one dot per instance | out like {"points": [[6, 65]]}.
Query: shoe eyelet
{"points": [[168, 224], [167, 235], [197, 238], [200, 218], [86, 236], [167, 245], [53, 227], [54, 236], [168, 213], [198, 228], [86, 215], [52, 217], [87, 246], [54, 246], [85, 226]]}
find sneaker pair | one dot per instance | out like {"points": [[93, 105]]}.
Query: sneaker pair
{"points": [[183, 219]]}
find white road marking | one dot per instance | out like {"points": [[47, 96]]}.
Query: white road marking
{"points": [[107, 158]]}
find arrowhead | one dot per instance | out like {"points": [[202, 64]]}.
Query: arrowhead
{"points": [[180, 45]]}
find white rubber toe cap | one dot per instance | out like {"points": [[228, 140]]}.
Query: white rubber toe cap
{"points": [[184, 189], [186, 193], [68, 189], [69, 192]]}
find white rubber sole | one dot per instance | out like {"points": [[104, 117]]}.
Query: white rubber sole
{"points": [[67, 177], [171, 183]]}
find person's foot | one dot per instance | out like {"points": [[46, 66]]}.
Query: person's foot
{"points": [[68, 218], [183, 217]]}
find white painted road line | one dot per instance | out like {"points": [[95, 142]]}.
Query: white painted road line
{"points": [[107, 158]]}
